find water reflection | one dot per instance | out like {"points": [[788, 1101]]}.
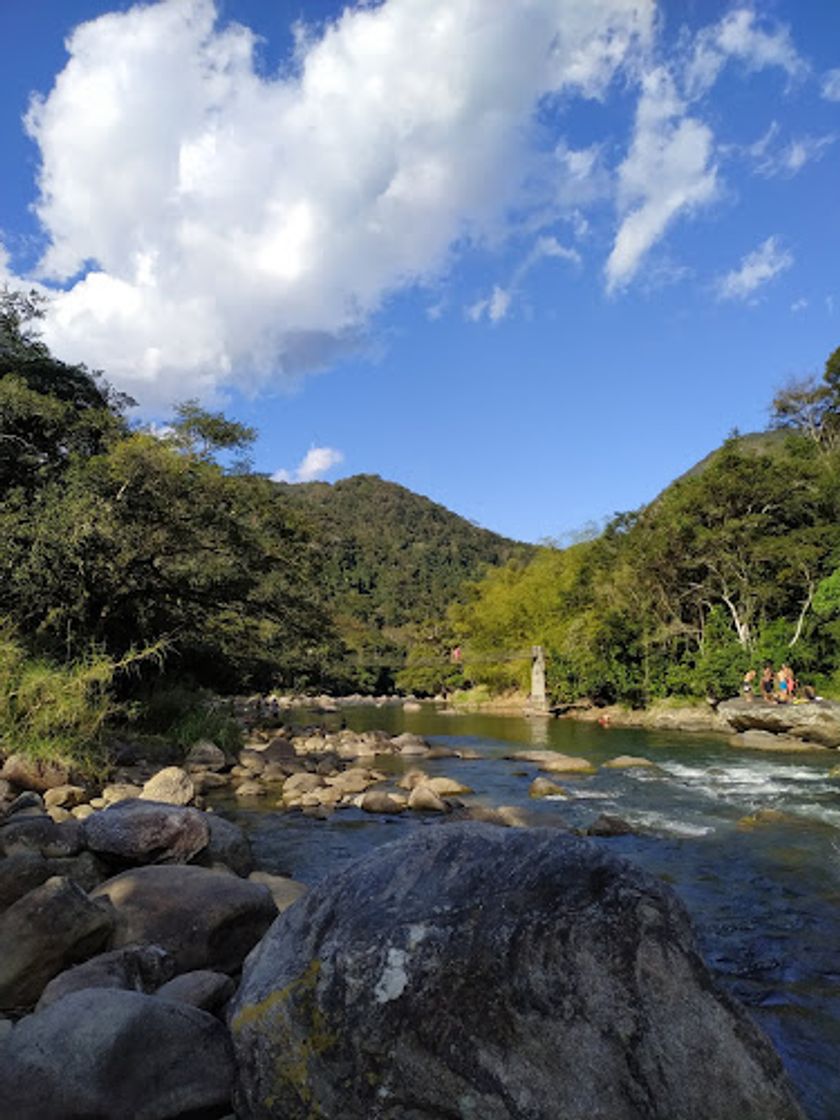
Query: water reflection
{"points": [[538, 726]]}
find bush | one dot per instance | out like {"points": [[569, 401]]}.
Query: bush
{"points": [[185, 715], [54, 711]]}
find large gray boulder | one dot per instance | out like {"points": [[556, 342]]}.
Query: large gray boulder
{"points": [[23, 871], [471, 972], [228, 846], [139, 968], [135, 831], [113, 1055], [817, 722], [50, 928], [42, 836], [205, 919]]}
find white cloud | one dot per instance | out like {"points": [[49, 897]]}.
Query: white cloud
{"points": [[668, 171], [788, 160], [314, 465], [497, 305], [831, 85], [741, 36], [757, 268], [244, 228], [798, 305]]}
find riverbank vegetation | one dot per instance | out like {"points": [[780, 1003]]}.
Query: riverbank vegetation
{"points": [[142, 564], [734, 563]]}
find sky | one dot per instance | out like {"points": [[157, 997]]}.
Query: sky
{"points": [[531, 258]]}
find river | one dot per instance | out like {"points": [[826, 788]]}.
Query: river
{"points": [[765, 899]]}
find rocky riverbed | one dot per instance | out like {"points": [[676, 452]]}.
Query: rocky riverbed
{"points": [[128, 913]]}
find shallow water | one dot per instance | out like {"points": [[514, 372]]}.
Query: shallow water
{"points": [[765, 899]]}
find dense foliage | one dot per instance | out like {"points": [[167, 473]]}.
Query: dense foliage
{"points": [[734, 563], [391, 561], [117, 540]]}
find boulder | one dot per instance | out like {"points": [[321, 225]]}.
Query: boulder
{"points": [[25, 870], [410, 745], [171, 786], [42, 836], [228, 846], [817, 722], [508, 975], [205, 755], [542, 787], [756, 740], [250, 788], [115, 792], [205, 919], [252, 761], [28, 804], [447, 787], [378, 801], [50, 928], [607, 824], [423, 799], [412, 778], [65, 797], [298, 784], [284, 891], [354, 780], [138, 968], [147, 832], [628, 762], [554, 762], [36, 774], [132, 1055], [201, 988]]}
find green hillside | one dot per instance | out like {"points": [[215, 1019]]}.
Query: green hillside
{"points": [[391, 557], [735, 562]]}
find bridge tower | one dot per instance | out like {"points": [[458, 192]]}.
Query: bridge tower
{"points": [[537, 702]]}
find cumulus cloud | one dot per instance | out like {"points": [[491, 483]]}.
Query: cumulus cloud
{"points": [[314, 465], [668, 171], [740, 35], [497, 305], [216, 226], [831, 85], [757, 268]]}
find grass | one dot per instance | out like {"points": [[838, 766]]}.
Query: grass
{"points": [[54, 712]]}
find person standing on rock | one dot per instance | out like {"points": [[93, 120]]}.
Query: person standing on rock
{"points": [[747, 685], [782, 678], [767, 680]]}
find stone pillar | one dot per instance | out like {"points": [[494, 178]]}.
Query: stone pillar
{"points": [[537, 701]]}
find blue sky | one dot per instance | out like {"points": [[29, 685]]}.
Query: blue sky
{"points": [[532, 260]]}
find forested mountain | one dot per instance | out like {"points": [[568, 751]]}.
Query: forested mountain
{"points": [[391, 561], [120, 544], [390, 556], [735, 562]]}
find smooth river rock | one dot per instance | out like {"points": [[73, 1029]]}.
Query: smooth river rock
{"points": [[205, 919], [114, 1055], [136, 831], [139, 968], [50, 928], [485, 974], [553, 762]]}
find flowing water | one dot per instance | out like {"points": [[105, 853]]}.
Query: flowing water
{"points": [[765, 898]]}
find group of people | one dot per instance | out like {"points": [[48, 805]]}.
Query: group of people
{"points": [[776, 687]]}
